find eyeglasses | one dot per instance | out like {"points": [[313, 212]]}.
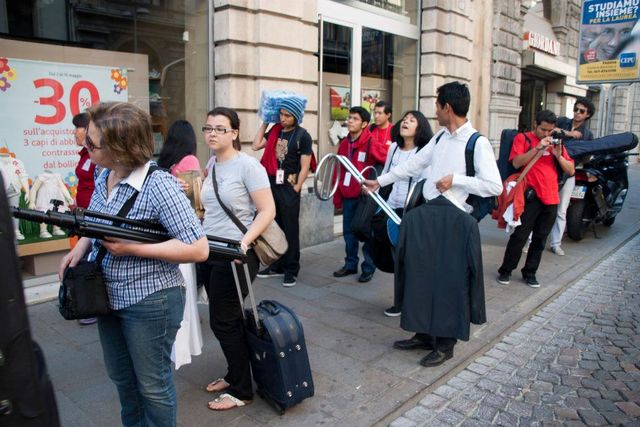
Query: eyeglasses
{"points": [[88, 142], [580, 110], [217, 130]]}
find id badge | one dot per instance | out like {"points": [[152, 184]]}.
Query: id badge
{"points": [[87, 165], [362, 156], [347, 179], [280, 176]]}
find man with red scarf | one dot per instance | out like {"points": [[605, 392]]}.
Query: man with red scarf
{"points": [[287, 158], [357, 148]]}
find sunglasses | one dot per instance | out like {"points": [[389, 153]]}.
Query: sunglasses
{"points": [[580, 110], [91, 146]]}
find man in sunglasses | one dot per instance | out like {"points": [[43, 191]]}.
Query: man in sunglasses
{"points": [[576, 128]]}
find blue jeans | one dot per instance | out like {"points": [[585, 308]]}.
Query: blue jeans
{"points": [[351, 241], [136, 344]]}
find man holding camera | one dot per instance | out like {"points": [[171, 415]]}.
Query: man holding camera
{"points": [[541, 195]]}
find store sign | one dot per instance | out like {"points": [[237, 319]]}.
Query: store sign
{"points": [[609, 42], [543, 43], [38, 101]]}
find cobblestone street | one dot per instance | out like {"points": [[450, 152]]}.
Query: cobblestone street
{"points": [[575, 362]]}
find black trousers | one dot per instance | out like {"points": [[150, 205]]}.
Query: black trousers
{"points": [[287, 216], [537, 218], [442, 344], [225, 318]]}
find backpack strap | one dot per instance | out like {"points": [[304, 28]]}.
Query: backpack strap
{"points": [[439, 136], [124, 211], [469, 152], [526, 138]]}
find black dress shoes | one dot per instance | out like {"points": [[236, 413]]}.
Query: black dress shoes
{"points": [[365, 277], [436, 358], [344, 272], [413, 343]]}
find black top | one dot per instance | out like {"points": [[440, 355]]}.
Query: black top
{"points": [[565, 123], [298, 143]]}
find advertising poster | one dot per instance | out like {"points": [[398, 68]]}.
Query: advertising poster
{"points": [[370, 98], [339, 101], [38, 101], [609, 41]]}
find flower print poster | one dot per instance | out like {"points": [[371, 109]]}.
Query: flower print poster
{"points": [[39, 100]]}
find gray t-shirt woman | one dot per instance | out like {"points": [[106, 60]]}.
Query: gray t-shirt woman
{"points": [[236, 178]]}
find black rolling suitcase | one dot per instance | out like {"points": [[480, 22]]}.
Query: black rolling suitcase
{"points": [[279, 360]]}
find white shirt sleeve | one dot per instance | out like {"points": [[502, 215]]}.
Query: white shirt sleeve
{"points": [[487, 181], [412, 167]]}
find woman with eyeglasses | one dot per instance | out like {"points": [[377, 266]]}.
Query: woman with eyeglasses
{"points": [[237, 181], [144, 285]]}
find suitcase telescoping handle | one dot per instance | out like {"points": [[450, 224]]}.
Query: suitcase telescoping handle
{"points": [[252, 300]]}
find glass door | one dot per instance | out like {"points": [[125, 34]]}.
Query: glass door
{"points": [[367, 54], [336, 82], [388, 71]]}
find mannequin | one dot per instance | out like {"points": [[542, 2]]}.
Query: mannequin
{"points": [[16, 181], [48, 186]]}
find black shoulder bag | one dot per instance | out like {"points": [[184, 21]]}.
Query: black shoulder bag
{"points": [[83, 292]]}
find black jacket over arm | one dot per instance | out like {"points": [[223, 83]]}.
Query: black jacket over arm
{"points": [[439, 269]]}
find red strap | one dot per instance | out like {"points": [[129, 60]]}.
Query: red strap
{"points": [[269, 160]]}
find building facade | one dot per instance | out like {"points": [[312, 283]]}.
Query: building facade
{"points": [[183, 57]]}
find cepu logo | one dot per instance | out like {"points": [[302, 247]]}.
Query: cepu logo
{"points": [[628, 60]]}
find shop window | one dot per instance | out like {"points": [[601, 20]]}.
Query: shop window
{"points": [[541, 8], [20, 18], [400, 8], [533, 94], [337, 49]]}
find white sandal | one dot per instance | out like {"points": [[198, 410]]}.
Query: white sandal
{"points": [[237, 402], [213, 384]]}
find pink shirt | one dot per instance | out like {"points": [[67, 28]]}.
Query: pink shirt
{"points": [[188, 163]]}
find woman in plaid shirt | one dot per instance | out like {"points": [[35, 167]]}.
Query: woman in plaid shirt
{"points": [[145, 287]]}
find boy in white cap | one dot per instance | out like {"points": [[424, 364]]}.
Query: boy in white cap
{"points": [[287, 158]]}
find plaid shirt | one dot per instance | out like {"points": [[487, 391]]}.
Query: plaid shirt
{"points": [[129, 279]]}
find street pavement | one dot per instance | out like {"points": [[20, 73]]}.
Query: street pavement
{"points": [[360, 380], [574, 362]]}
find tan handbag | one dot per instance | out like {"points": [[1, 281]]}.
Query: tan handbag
{"points": [[270, 245]]}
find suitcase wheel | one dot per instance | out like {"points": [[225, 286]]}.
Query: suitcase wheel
{"points": [[279, 408]]}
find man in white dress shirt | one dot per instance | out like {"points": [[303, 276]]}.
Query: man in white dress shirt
{"points": [[445, 157], [447, 174]]}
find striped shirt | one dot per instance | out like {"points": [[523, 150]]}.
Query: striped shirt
{"points": [[130, 279]]}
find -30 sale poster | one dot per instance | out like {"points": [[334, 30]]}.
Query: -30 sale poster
{"points": [[38, 101]]}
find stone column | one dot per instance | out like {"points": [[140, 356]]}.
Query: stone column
{"points": [[446, 50], [265, 44], [504, 104]]}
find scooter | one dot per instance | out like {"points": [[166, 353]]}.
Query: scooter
{"points": [[599, 194]]}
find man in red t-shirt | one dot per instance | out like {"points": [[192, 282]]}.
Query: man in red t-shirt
{"points": [[380, 133], [541, 194]]}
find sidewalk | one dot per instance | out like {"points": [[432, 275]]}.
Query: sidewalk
{"points": [[573, 362], [360, 380]]}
